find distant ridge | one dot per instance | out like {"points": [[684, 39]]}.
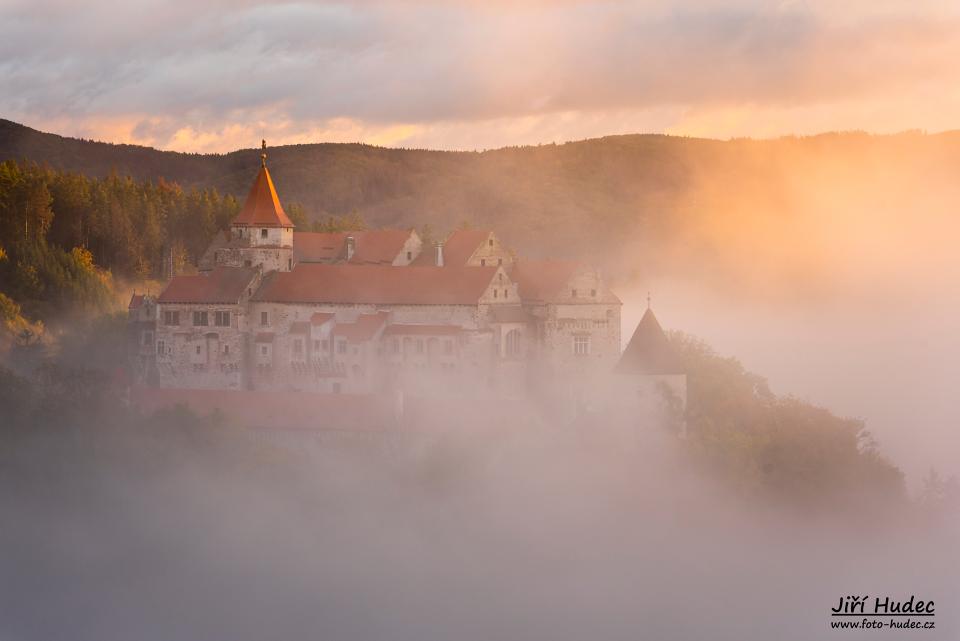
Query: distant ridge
{"points": [[582, 197]]}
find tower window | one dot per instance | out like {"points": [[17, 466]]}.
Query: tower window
{"points": [[263, 233]]}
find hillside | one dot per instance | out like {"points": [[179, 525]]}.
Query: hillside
{"points": [[671, 199]]}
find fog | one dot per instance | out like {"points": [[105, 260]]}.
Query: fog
{"points": [[829, 267], [512, 533]]}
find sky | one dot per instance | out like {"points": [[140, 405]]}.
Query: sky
{"points": [[218, 75]]}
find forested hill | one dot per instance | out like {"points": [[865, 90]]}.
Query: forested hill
{"points": [[584, 198]]}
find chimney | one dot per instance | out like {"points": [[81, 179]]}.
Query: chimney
{"points": [[351, 246], [439, 260]]}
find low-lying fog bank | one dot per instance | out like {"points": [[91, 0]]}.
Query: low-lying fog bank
{"points": [[182, 530]]}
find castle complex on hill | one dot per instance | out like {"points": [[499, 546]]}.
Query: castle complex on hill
{"points": [[376, 311]]}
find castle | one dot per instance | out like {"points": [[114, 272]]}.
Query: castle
{"points": [[374, 312]]}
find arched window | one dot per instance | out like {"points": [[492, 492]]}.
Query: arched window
{"points": [[512, 347]]}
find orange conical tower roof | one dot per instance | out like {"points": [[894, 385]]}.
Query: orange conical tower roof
{"points": [[262, 208]]}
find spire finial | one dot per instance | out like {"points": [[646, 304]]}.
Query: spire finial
{"points": [[263, 153], [648, 300]]}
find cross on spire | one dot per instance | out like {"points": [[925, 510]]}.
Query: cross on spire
{"points": [[263, 153]]}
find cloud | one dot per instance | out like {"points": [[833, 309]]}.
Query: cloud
{"points": [[198, 76]]}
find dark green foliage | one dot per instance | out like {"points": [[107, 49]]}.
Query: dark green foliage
{"points": [[786, 447], [64, 235]]}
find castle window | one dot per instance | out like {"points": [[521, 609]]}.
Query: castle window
{"points": [[490, 242], [316, 346], [325, 345], [161, 348], [336, 388], [221, 319], [593, 293], [263, 350], [171, 318], [200, 319], [146, 338], [581, 345], [573, 293], [341, 346], [409, 256], [264, 319], [289, 263], [263, 233], [499, 261], [198, 350], [496, 292], [395, 345], [483, 262], [512, 347], [226, 350]]}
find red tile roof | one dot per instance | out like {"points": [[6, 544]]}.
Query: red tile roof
{"points": [[376, 284], [221, 285], [364, 329], [542, 280], [457, 248], [320, 318], [318, 247], [422, 330], [262, 208], [374, 246]]}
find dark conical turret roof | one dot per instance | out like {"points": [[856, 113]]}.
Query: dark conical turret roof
{"points": [[649, 351]]}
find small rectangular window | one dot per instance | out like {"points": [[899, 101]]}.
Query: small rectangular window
{"points": [[161, 348], [593, 293], [264, 319], [341, 347], [496, 293], [581, 345], [409, 256], [263, 233], [226, 350], [483, 262], [573, 293]]}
